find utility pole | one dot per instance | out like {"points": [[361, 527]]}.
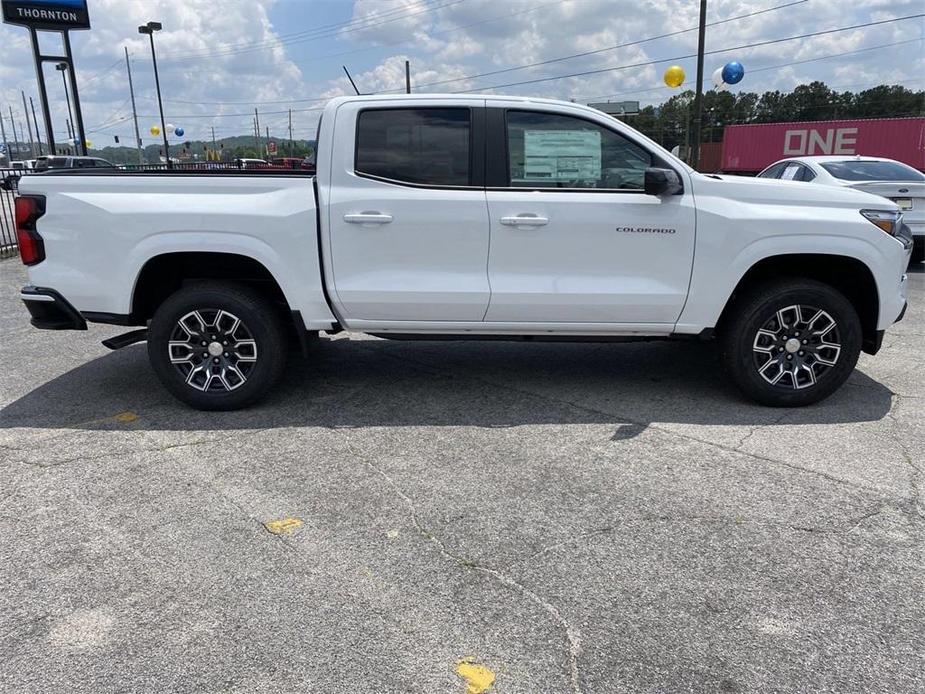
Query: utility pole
{"points": [[6, 145], [698, 94], [257, 130], [267, 148], [36, 123], [131, 91], [407, 77], [13, 125], [28, 123], [214, 148], [290, 132]]}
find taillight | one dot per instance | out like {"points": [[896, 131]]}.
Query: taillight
{"points": [[31, 246]]}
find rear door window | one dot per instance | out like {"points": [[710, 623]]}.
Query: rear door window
{"points": [[422, 146], [773, 171]]}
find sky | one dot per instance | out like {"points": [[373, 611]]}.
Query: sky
{"points": [[218, 60]]}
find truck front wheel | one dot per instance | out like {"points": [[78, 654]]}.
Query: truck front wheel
{"points": [[216, 345], [791, 342]]}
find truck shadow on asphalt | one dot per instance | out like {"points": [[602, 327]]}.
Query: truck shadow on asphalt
{"points": [[380, 383]]}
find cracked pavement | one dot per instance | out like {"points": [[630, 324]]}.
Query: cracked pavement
{"points": [[576, 518]]}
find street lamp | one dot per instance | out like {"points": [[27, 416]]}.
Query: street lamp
{"points": [[62, 68], [149, 29]]}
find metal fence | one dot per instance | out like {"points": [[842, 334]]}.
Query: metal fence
{"points": [[9, 246], [234, 165]]}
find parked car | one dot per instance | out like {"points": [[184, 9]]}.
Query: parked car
{"points": [[245, 163], [465, 217], [22, 164], [71, 162], [887, 177], [291, 163]]}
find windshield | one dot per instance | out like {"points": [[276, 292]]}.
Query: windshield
{"points": [[872, 171]]}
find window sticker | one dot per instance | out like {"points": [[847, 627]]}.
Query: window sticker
{"points": [[562, 155], [790, 173]]}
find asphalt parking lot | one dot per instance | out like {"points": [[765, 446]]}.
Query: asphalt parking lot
{"points": [[556, 517]]}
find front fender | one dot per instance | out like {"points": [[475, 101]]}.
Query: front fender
{"points": [[715, 278]]}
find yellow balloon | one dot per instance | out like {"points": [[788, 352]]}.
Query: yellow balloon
{"points": [[674, 76], [155, 130], [88, 144]]}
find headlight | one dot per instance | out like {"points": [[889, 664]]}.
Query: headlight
{"points": [[890, 222]]}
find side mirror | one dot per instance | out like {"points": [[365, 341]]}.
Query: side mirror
{"points": [[662, 182]]}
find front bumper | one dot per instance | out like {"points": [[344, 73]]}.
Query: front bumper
{"points": [[50, 310]]}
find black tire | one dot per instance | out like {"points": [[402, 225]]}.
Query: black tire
{"points": [[223, 380], [747, 354], [918, 250]]}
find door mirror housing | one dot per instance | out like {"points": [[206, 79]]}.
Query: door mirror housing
{"points": [[662, 182]]}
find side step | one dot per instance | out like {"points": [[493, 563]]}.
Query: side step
{"points": [[126, 339]]}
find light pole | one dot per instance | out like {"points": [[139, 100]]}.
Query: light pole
{"points": [[149, 29], [62, 68]]}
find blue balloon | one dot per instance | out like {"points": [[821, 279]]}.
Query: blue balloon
{"points": [[733, 72], [179, 131]]}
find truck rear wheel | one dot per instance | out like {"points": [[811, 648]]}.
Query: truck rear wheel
{"points": [[791, 342], [216, 345]]}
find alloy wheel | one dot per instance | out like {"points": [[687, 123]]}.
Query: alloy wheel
{"points": [[796, 347], [213, 350]]}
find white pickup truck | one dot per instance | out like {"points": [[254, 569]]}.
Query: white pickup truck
{"points": [[470, 217]]}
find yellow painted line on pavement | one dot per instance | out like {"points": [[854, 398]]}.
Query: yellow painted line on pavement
{"points": [[126, 417], [283, 526], [478, 677]]}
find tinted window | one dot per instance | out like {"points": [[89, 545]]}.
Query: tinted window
{"points": [[773, 171], [546, 150], [872, 171], [415, 145], [806, 174]]}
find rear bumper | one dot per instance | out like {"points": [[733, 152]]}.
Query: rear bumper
{"points": [[50, 310]]}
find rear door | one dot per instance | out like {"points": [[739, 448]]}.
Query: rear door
{"points": [[408, 222], [574, 237]]}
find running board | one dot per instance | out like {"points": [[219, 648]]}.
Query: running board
{"points": [[126, 339]]}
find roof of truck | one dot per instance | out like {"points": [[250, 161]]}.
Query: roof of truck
{"points": [[455, 97]]}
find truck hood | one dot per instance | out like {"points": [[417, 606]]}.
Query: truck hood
{"points": [[793, 193]]}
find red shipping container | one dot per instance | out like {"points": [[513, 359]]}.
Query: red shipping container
{"points": [[751, 148]]}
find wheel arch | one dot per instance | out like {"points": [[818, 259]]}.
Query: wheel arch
{"points": [[163, 274], [850, 276]]}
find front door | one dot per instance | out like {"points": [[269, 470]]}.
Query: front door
{"points": [[408, 221], [574, 239]]}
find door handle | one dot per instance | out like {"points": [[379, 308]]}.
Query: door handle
{"points": [[527, 220], [368, 218]]}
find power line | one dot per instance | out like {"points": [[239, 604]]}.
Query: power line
{"points": [[324, 28], [365, 23], [762, 69], [604, 50], [379, 46], [692, 55], [100, 73]]}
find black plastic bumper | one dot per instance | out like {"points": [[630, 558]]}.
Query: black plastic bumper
{"points": [[54, 313]]}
